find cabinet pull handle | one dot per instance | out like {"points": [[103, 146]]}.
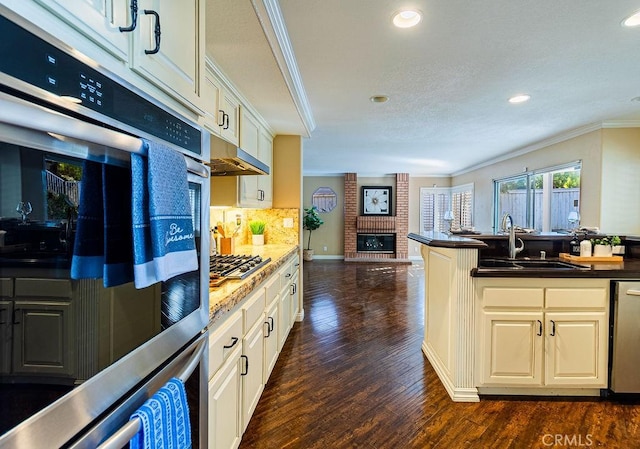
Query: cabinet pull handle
{"points": [[234, 340], [156, 32], [223, 114], [288, 275], [268, 330], [225, 120], [134, 18], [553, 328], [539, 328], [272, 325], [633, 292], [246, 371], [15, 316]]}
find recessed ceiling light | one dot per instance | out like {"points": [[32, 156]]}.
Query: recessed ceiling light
{"points": [[407, 18], [633, 20], [379, 98], [519, 98]]}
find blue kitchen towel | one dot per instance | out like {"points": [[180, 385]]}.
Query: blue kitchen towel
{"points": [[103, 247], [87, 260], [118, 243], [164, 419], [163, 232]]}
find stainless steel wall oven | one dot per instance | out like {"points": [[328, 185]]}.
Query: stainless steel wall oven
{"points": [[76, 357]]}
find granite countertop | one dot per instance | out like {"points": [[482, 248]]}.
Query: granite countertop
{"points": [[224, 298]]}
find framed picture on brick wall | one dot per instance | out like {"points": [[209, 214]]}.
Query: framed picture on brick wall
{"points": [[376, 200]]}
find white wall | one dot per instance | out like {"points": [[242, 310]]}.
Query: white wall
{"points": [[587, 147], [620, 200]]}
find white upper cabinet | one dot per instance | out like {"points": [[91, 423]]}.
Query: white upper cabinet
{"points": [[168, 44], [222, 109], [229, 116], [249, 132], [99, 20], [256, 190]]}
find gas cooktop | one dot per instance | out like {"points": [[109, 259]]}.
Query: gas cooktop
{"points": [[232, 266]]}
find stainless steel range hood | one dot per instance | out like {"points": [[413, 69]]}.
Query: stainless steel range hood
{"points": [[230, 160]]}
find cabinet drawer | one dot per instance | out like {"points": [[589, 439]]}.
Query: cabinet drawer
{"points": [[295, 264], [253, 309], [223, 342], [513, 297], [6, 287], [576, 298], [272, 288], [285, 275], [47, 288]]}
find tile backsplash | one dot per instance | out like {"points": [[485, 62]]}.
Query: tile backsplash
{"points": [[275, 231]]}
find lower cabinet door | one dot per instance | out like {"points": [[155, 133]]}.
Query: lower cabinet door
{"points": [[42, 338], [224, 405], [295, 298], [512, 348], [252, 369], [271, 340], [284, 313], [6, 335], [576, 349]]}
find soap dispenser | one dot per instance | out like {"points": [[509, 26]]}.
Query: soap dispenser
{"points": [[585, 248]]}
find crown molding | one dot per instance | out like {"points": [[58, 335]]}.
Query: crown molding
{"points": [[272, 23], [631, 123]]}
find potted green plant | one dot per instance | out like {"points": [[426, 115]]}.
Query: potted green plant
{"points": [[310, 222], [257, 228], [603, 246]]}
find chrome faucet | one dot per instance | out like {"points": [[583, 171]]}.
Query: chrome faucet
{"points": [[513, 250]]}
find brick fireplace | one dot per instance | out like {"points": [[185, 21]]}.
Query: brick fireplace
{"points": [[376, 230]]}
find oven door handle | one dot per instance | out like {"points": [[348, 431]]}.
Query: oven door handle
{"points": [[123, 435], [17, 112]]}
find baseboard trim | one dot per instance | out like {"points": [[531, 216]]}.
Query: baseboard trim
{"points": [[457, 394]]}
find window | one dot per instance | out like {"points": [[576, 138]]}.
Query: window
{"points": [[436, 202], [542, 199], [62, 183]]}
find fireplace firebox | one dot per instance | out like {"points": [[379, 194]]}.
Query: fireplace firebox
{"points": [[379, 243]]}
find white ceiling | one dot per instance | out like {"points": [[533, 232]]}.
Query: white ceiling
{"points": [[448, 79]]}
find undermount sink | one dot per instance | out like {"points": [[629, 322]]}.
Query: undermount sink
{"points": [[525, 264]]}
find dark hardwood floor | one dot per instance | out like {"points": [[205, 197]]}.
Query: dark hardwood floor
{"points": [[352, 375]]}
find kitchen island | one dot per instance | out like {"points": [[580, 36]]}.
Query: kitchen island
{"points": [[515, 331]]}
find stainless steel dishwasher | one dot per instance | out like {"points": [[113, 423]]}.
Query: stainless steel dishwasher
{"points": [[625, 362]]}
